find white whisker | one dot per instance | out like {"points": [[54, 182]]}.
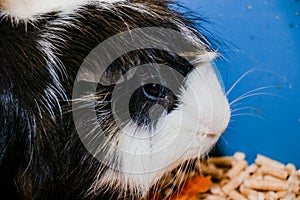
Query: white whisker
{"points": [[259, 89], [239, 80], [242, 108], [245, 114], [250, 95]]}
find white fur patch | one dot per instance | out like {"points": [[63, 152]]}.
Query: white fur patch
{"points": [[27, 9]]}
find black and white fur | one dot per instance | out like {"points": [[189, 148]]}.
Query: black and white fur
{"points": [[42, 45]]}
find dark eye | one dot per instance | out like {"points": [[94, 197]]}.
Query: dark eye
{"points": [[143, 100], [154, 91]]}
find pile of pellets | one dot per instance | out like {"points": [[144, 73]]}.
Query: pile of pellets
{"points": [[233, 179]]}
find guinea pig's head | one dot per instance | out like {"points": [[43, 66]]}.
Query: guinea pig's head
{"points": [[145, 94], [146, 101]]}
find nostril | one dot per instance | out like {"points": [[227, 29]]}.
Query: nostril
{"points": [[212, 135]]}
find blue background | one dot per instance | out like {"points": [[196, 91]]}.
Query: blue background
{"points": [[264, 37]]}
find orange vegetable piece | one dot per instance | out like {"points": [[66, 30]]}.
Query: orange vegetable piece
{"points": [[193, 187]]}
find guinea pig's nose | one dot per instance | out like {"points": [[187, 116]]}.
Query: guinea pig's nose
{"points": [[212, 135]]}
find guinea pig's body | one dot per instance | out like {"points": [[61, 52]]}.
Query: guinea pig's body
{"points": [[42, 48]]}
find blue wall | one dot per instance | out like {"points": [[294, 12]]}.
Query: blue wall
{"points": [[262, 36]]}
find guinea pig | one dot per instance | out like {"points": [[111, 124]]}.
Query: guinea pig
{"points": [[99, 99]]}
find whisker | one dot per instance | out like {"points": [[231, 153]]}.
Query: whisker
{"points": [[242, 108], [247, 114], [259, 89], [231, 121], [239, 80], [237, 105], [251, 95], [223, 139]]}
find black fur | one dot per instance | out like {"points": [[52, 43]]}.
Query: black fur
{"points": [[41, 156]]}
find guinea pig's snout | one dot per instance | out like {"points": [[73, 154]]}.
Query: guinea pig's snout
{"points": [[217, 128], [215, 123], [215, 134], [210, 134]]}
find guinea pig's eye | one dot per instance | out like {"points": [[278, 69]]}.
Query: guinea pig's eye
{"points": [[143, 99], [154, 91], [158, 94]]}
